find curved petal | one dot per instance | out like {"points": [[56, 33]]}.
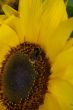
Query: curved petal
{"points": [[68, 75], [2, 18], [53, 14], [63, 91], [30, 14], [18, 25], [69, 44], [14, 23], [50, 103], [36, 14], [8, 36], [56, 43], [9, 10], [29, 11], [61, 63], [8, 39]]}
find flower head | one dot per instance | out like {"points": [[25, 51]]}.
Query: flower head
{"points": [[36, 56]]}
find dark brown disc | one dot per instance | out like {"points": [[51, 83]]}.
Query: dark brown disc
{"points": [[24, 77]]}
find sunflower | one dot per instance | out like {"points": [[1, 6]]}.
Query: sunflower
{"points": [[36, 56]]}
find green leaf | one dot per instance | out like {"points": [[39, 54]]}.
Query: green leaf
{"points": [[70, 8]]}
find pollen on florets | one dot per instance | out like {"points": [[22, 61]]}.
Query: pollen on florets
{"points": [[24, 77]]}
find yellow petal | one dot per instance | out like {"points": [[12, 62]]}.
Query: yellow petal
{"points": [[8, 36], [68, 75], [61, 63], [36, 13], [56, 43], [63, 91], [8, 39], [55, 12], [2, 18], [9, 10], [50, 103], [28, 10], [69, 44], [14, 23]]}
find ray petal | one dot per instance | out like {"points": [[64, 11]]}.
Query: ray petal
{"points": [[53, 14], [50, 103], [8, 39], [36, 16], [61, 63], [63, 91], [68, 75], [9, 10], [54, 45]]}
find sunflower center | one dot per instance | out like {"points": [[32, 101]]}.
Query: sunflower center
{"points": [[24, 77], [18, 78]]}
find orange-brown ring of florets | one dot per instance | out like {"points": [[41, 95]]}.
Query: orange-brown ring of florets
{"points": [[42, 67]]}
